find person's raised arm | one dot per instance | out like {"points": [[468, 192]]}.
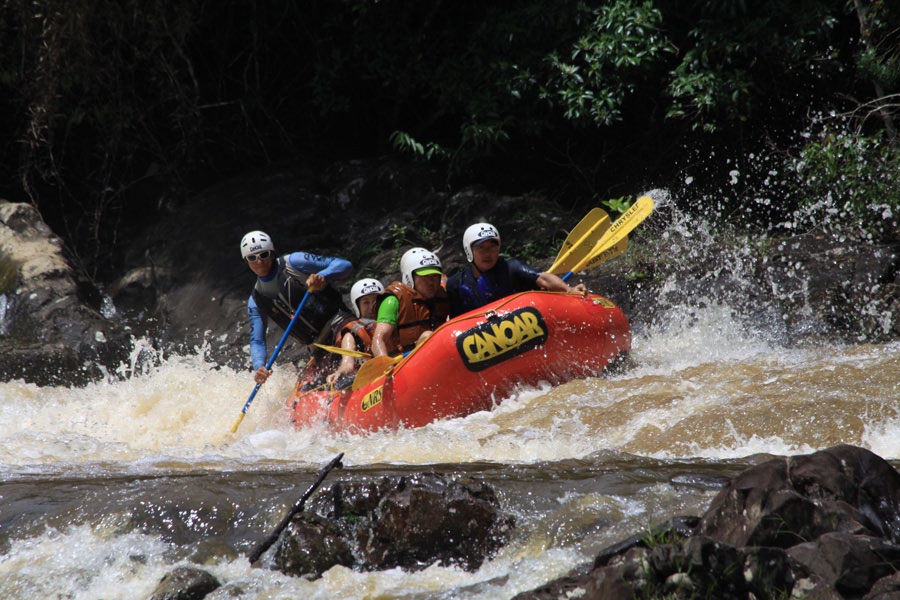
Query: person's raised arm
{"points": [[322, 269]]}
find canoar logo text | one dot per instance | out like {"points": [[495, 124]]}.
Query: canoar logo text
{"points": [[501, 338]]}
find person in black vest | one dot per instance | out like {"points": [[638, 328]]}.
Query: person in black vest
{"points": [[490, 277], [281, 283]]}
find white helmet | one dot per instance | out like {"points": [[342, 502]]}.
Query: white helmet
{"points": [[415, 259], [361, 288], [477, 233], [256, 241]]}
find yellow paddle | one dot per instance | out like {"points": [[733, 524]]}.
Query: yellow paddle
{"points": [[580, 241], [615, 240], [343, 351], [373, 369]]}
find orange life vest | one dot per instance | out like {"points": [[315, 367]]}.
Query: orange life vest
{"points": [[362, 330], [417, 314]]}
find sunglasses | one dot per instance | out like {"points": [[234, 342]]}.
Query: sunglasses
{"points": [[261, 256]]}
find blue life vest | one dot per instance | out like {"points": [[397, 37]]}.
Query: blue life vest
{"points": [[507, 277]]}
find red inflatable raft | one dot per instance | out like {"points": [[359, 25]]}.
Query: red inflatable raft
{"points": [[476, 359]]}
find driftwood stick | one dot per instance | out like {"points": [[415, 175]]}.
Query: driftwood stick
{"points": [[273, 537]]}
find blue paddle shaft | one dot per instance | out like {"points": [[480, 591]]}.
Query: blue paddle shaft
{"points": [[271, 361]]}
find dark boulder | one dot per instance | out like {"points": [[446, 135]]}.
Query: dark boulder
{"points": [[886, 588], [406, 522], [850, 563], [819, 526], [185, 583], [427, 519], [836, 285], [311, 545], [784, 502]]}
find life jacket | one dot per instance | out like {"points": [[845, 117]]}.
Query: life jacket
{"points": [[362, 330], [417, 314], [470, 292], [279, 297]]}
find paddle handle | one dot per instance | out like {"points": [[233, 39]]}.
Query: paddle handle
{"points": [[271, 361]]}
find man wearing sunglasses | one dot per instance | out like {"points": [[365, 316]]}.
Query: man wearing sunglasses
{"points": [[281, 284]]}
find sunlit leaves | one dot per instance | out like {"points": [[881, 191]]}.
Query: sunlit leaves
{"points": [[592, 78]]}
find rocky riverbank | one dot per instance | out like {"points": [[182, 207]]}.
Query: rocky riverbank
{"points": [[824, 525], [182, 283]]}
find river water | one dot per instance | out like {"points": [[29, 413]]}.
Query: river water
{"points": [[106, 488]]}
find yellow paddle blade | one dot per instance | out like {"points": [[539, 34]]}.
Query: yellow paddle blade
{"points": [[610, 253], [580, 241], [374, 368], [343, 351], [616, 233]]}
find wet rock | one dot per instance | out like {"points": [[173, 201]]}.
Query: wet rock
{"points": [[886, 588], [783, 502], [835, 285], [50, 329], [406, 522], [850, 563], [823, 525], [428, 519], [310, 546], [185, 583]]}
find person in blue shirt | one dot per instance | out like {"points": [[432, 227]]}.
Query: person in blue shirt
{"points": [[281, 283], [489, 276]]}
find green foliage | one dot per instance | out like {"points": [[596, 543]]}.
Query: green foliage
{"points": [[879, 58], [738, 57], [398, 236], [880, 67], [638, 276], [857, 175], [477, 139], [619, 205], [404, 142], [113, 107], [659, 535], [596, 75]]}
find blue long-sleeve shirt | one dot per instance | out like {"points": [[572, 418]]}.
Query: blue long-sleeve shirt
{"points": [[329, 267]]}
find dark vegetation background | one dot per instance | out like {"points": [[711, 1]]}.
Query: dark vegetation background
{"points": [[116, 112]]}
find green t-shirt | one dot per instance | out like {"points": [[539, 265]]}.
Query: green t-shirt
{"points": [[389, 311]]}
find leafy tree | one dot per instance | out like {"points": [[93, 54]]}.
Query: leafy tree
{"points": [[110, 109], [739, 61]]}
